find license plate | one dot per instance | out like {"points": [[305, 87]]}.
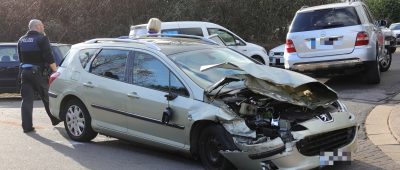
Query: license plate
{"points": [[387, 42]]}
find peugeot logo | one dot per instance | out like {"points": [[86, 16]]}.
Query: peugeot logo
{"points": [[326, 117]]}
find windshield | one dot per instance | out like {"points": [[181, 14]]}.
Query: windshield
{"points": [[395, 27], [325, 19], [190, 63]]}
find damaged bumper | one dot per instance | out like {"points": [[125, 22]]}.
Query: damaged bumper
{"points": [[303, 152]]}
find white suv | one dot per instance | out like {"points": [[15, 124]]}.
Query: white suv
{"points": [[337, 38], [206, 29]]}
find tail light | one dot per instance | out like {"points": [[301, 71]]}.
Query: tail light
{"points": [[362, 39], [53, 77], [290, 46]]}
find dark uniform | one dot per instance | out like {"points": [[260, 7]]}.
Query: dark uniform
{"points": [[35, 55]]}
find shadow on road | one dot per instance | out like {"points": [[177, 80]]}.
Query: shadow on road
{"points": [[116, 154]]}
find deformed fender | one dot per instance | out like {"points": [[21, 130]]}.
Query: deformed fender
{"points": [[205, 111], [238, 127]]}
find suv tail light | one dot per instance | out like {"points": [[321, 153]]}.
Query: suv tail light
{"points": [[362, 39], [53, 77], [290, 46]]}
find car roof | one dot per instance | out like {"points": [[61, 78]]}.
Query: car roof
{"points": [[183, 24], [14, 43], [326, 6], [166, 45]]}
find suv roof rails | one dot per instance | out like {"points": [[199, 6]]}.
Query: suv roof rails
{"points": [[179, 36], [99, 40], [305, 6]]}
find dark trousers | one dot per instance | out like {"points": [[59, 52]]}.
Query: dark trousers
{"points": [[31, 81]]}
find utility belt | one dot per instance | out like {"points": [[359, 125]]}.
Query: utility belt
{"points": [[35, 69]]}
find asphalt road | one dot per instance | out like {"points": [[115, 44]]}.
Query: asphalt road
{"points": [[50, 147]]}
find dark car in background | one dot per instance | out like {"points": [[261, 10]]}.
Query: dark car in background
{"points": [[9, 64]]}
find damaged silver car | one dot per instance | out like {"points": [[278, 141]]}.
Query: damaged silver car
{"points": [[192, 95]]}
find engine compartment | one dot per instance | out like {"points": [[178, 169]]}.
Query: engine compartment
{"points": [[268, 117]]}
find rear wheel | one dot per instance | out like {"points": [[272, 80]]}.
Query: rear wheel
{"points": [[373, 73], [78, 121], [385, 61], [213, 139]]}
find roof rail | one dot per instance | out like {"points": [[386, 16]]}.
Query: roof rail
{"points": [[179, 36], [99, 40], [305, 6]]}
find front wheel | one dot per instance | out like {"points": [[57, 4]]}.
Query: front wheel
{"points": [[213, 139], [78, 121]]}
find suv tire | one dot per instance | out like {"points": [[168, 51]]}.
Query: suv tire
{"points": [[77, 121], [373, 73], [385, 61], [212, 139]]}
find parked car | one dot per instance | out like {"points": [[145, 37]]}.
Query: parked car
{"points": [[339, 38], [395, 27], [206, 29], [9, 64], [193, 96], [276, 56]]}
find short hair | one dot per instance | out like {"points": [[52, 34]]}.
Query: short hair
{"points": [[154, 24], [33, 23]]}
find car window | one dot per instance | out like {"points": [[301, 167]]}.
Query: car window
{"points": [[228, 38], [395, 27], [150, 72], [186, 31], [85, 55], [64, 50], [8, 54], [325, 19], [111, 64]]}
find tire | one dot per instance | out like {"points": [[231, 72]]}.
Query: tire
{"points": [[212, 139], [373, 73], [386, 61], [77, 121]]}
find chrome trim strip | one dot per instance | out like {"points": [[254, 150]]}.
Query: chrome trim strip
{"points": [[53, 95]]}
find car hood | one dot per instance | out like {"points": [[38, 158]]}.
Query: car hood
{"points": [[280, 48], [396, 31], [282, 85]]}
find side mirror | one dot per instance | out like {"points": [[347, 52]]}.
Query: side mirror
{"points": [[171, 96], [382, 23], [237, 42]]}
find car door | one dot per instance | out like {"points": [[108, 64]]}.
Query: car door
{"points": [[105, 89], [151, 81], [230, 40], [9, 64]]}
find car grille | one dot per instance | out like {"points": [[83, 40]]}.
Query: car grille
{"points": [[278, 53], [313, 145]]}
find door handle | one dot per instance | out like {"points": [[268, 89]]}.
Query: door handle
{"points": [[133, 95], [88, 84]]}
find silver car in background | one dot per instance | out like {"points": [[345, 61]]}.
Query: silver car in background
{"points": [[340, 38], [200, 98]]}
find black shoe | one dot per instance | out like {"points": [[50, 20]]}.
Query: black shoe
{"points": [[55, 122], [29, 130]]}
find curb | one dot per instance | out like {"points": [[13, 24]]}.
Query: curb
{"points": [[394, 123], [380, 127]]}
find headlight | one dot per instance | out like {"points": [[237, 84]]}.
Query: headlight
{"points": [[341, 107], [271, 53]]}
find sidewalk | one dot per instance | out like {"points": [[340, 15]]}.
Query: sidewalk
{"points": [[383, 129]]}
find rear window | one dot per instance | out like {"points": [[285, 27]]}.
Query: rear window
{"points": [[325, 19]]}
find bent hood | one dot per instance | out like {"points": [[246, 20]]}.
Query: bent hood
{"points": [[282, 85]]}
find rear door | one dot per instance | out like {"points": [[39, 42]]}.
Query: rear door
{"points": [[9, 67], [325, 32], [105, 89]]}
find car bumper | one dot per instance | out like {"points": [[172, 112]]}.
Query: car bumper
{"points": [[290, 157], [276, 61], [358, 56]]}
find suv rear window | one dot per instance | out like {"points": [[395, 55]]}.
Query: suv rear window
{"points": [[325, 19]]}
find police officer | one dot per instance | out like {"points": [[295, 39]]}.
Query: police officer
{"points": [[36, 57]]}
